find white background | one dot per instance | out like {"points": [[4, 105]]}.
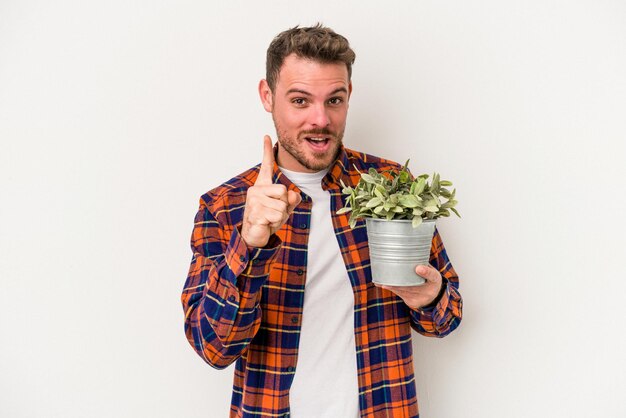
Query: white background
{"points": [[116, 116]]}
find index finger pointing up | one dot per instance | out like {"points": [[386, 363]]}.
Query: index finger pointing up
{"points": [[267, 165]]}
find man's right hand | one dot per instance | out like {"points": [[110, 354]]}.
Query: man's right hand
{"points": [[268, 205]]}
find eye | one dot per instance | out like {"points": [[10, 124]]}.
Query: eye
{"points": [[335, 101], [299, 101]]}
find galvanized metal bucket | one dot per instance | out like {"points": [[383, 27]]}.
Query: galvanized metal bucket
{"points": [[396, 248]]}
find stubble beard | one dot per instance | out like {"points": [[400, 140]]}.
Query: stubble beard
{"points": [[319, 160]]}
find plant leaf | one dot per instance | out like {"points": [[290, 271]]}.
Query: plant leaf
{"points": [[421, 184], [417, 221], [368, 178], [374, 202], [408, 201]]}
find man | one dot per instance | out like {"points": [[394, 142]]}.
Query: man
{"points": [[280, 284]]}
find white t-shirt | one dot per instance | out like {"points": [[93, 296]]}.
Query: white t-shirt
{"points": [[325, 383]]}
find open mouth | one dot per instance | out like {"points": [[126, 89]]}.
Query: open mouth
{"points": [[319, 143]]}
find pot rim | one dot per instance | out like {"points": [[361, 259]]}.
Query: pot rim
{"points": [[395, 220]]}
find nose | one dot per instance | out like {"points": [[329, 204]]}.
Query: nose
{"points": [[319, 116]]}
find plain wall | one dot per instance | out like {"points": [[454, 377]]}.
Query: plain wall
{"points": [[116, 116]]}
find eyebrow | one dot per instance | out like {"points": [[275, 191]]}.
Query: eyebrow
{"points": [[306, 93]]}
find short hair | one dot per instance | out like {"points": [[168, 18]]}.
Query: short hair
{"points": [[317, 43]]}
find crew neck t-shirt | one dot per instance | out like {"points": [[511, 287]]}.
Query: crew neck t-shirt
{"points": [[325, 383]]}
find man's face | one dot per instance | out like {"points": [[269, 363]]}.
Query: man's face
{"points": [[309, 106]]}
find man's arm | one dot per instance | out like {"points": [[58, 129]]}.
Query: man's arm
{"points": [[436, 306], [445, 316], [223, 290]]}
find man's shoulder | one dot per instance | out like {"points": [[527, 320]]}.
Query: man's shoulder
{"points": [[231, 193], [364, 162]]}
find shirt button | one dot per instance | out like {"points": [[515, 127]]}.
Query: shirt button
{"points": [[302, 226], [300, 272], [242, 258], [294, 319], [231, 298], [291, 369]]}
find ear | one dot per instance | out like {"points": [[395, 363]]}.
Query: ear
{"points": [[265, 93]]}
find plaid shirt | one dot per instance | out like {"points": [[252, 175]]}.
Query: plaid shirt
{"points": [[245, 304]]}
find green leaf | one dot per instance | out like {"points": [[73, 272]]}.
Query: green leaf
{"points": [[408, 201], [445, 183], [379, 209], [374, 202], [417, 221], [389, 216], [343, 210], [368, 178], [455, 212], [434, 186], [421, 184], [443, 212]]}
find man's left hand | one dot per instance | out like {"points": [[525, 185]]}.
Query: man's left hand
{"points": [[416, 297]]}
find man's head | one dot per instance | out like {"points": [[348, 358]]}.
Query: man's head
{"points": [[307, 91], [316, 43]]}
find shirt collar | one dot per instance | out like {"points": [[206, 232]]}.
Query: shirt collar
{"points": [[338, 171]]}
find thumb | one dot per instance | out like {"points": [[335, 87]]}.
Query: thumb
{"points": [[293, 199]]}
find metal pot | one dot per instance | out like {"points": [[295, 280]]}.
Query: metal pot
{"points": [[396, 248]]}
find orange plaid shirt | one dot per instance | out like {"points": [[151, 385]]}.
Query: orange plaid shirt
{"points": [[244, 305]]}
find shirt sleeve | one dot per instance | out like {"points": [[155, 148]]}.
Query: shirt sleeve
{"points": [[445, 316], [223, 289]]}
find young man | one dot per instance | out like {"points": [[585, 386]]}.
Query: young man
{"points": [[278, 281]]}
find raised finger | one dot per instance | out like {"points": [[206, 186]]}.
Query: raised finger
{"points": [[267, 164]]}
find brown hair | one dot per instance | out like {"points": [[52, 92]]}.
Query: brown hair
{"points": [[317, 43]]}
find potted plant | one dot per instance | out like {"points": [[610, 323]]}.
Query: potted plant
{"points": [[400, 213]]}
